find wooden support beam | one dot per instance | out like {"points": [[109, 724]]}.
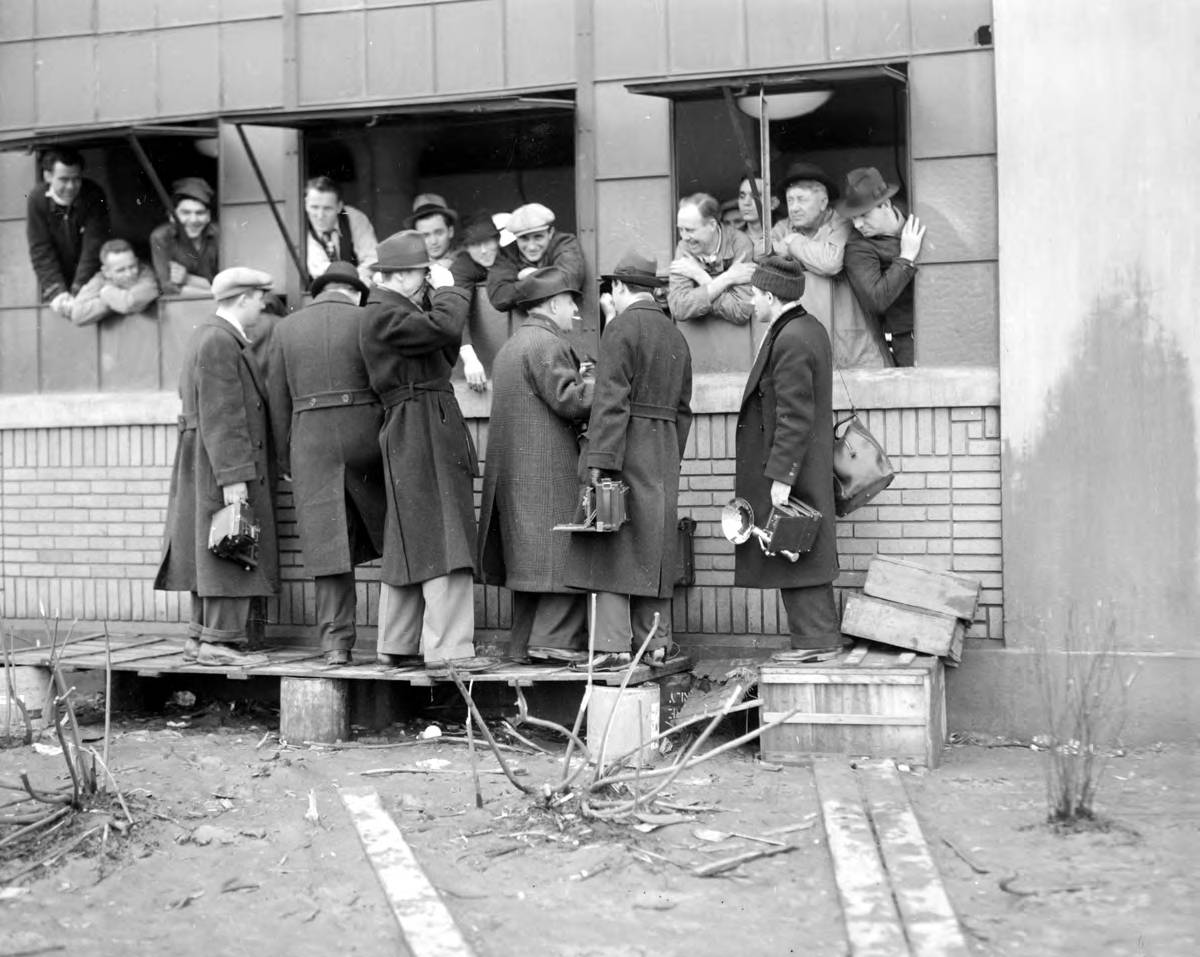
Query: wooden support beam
{"points": [[428, 927], [314, 709]]}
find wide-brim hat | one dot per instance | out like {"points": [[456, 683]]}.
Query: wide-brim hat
{"points": [[865, 189], [634, 269], [480, 229], [530, 218], [402, 250], [343, 273], [237, 280], [541, 284], [431, 209], [192, 187], [801, 171]]}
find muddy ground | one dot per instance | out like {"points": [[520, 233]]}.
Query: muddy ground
{"points": [[222, 859]]}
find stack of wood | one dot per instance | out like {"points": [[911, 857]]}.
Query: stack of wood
{"points": [[907, 605]]}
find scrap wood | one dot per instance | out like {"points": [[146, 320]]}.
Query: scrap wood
{"points": [[729, 863], [966, 858], [381, 772], [47, 861], [47, 819], [1006, 885]]}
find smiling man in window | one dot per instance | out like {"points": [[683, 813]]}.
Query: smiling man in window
{"points": [[538, 245], [122, 286], [336, 232], [710, 275]]}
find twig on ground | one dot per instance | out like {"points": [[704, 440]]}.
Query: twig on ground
{"points": [[46, 797], [523, 717], [13, 699], [612, 714], [47, 861], [116, 788], [53, 816], [567, 777], [471, 752], [108, 704], [486, 732], [965, 857], [729, 863]]}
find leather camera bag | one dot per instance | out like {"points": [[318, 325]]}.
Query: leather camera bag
{"points": [[861, 469]]}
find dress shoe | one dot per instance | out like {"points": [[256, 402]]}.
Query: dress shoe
{"points": [[191, 648], [467, 666], [657, 657], [566, 655], [338, 656], [605, 661], [398, 661], [226, 656]]}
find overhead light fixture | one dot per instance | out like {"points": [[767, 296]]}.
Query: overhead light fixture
{"points": [[785, 106]]}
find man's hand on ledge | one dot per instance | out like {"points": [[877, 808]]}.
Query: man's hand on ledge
{"points": [[62, 304]]}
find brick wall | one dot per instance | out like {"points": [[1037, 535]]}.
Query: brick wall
{"points": [[82, 512]]}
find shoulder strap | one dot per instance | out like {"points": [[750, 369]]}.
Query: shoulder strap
{"points": [[347, 244]]}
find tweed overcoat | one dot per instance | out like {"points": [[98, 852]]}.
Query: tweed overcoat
{"points": [[638, 428], [224, 438], [326, 421], [429, 459], [785, 434], [540, 402]]}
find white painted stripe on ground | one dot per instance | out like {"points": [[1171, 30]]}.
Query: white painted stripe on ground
{"points": [[428, 928]]}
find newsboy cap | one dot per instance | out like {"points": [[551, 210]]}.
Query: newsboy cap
{"points": [[541, 284], [634, 269], [239, 279], [865, 189], [530, 218], [402, 250], [344, 274], [191, 187], [782, 277]]}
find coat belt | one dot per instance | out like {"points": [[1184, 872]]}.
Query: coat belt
{"points": [[333, 399], [647, 410], [410, 390], [188, 421]]}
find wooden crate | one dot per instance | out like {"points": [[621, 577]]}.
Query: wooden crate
{"points": [[933, 589], [903, 626], [878, 703]]}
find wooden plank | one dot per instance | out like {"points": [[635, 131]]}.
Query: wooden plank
{"points": [[427, 925], [929, 919], [872, 922], [931, 589], [903, 626], [775, 677], [857, 654], [914, 720]]}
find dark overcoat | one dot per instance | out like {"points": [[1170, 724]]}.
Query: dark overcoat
{"points": [[326, 419], [429, 458], [540, 402], [562, 251], [638, 428], [785, 434], [224, 438]]}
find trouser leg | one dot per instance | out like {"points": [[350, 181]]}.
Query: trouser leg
{"points": [[559, 621], [223, 620], [336, 606], [641, 613], [196, 620], [448, 628], [401, 609], [612, 626], [812, 617], [524, 608]]}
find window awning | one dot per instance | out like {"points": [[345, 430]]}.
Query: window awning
{"points": [[303, 118], [792, 80], [81, 137]]}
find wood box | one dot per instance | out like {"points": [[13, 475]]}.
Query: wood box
{"points": [[903, 626], [932, 589], [878, 703]]}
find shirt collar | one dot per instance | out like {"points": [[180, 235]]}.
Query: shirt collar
{"points": [[241, 330]]}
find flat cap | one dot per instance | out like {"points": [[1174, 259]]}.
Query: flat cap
{"points": [[239, 279], [530, 218], [192, 187]]}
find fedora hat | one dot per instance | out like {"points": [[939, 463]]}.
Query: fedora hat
{"points": [[430, 204], [865, 189], [239, 279], [634, 269], [480, 229], [541, 284], [801, 171], [402, 250], [343, 273]]}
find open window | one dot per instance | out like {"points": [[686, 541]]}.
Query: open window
{"points": [[837, 119]]}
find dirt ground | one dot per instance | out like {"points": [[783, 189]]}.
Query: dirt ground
{"points": [[222, 858]]}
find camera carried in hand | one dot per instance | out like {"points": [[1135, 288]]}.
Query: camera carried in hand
{"points": [[233, 535], [789, 531], [602, 508]]}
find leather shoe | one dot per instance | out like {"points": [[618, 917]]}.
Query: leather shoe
{"points": [[338, 656], [472, 665], [566, 655], [226, 656], [605, 661], [191, 648], [398, 661]]}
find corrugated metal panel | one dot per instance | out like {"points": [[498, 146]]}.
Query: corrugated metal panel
{"points": [[953, 104], [947, 24], [18, 175], [785, 32], [539, 41], [331, 52], [17, 103], [251, 64], [64, 81], [469, 53], [18, 351], [867, 28], [122, 64], [63, 17], [635, 138], [16, 19], [400, 51], [630, 37], [179, 12], [129, 353], [706, 35], [634, 213], [188, 60], [125, 14], [70, 355], [956, 202], [957, 320], [17, 279]]}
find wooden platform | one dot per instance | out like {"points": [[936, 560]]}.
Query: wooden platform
{"points": [[151, 656]]}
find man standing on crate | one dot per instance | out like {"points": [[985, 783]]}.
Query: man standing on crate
{"points": [[223, 457], [785, 449], [641, 415]]}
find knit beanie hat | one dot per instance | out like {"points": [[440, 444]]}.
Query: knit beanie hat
{"points": [[783, 277]]}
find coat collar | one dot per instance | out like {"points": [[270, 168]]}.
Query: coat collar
{"points": [[764, 350], [247, 352], [541, 322]]}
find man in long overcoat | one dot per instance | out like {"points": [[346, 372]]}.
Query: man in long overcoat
{"points": [[540, 403], [637, 432], [326, 420], [409, 340], [785, 449], [224, 456]]}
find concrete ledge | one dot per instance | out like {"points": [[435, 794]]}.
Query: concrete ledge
{"points": [[67, 409]]}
